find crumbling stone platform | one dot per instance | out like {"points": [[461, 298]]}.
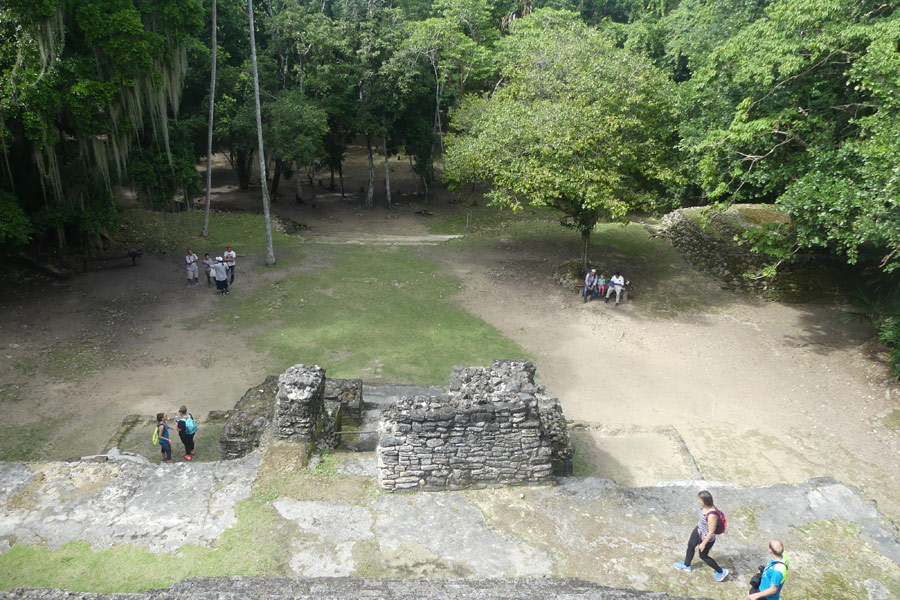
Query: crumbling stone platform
{"points": [[495, 426]]}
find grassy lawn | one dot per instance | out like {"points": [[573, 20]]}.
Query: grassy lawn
{"points": [[379, 313]]}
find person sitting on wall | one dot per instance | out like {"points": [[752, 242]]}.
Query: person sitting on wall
{"points": [[591, 288], [601, 285]]}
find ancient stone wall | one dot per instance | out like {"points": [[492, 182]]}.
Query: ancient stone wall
{"points": [[300, 405], [488, 430]]}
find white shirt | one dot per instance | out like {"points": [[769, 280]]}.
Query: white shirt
{"points": [[229, 257], [221, 271], [617, 280], [191, 260]]}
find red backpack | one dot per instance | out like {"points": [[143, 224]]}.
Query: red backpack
{"points": [[722, 524]]}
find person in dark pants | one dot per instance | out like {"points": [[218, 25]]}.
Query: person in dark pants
{"points": [[186, 438], [165, 446], [703, 537]]}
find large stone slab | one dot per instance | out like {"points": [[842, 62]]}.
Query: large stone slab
{"points": [[107, 503]]}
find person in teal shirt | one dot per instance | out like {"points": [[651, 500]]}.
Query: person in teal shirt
{"points": [[773, 574]]}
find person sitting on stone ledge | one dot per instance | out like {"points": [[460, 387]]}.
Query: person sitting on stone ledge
{"points": [[590, 285]]}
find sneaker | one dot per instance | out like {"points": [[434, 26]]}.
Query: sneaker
{"points": [[187, 457], [606, 301], [617, 303], [683, 567], [721, 576]]}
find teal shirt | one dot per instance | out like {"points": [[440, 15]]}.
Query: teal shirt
{"points": [[773, 575]]}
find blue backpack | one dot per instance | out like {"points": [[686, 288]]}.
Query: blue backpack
{"points": [[190, 425]]}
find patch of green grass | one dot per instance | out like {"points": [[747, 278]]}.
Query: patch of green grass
{"points": [[173, 233], [24, 442], [379, 313], [251, 547], [327, 466]]}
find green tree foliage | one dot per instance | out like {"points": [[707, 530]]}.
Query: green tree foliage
{"points": [[577, 125], [78, 81]]}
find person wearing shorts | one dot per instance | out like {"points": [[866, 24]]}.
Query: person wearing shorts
{"points": [[230, 257], [193, 272], [221, 272]]}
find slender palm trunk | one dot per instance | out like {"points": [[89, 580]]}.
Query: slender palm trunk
{"points": [[270, 250], [209, 133], [370, 193], [387, 171]]}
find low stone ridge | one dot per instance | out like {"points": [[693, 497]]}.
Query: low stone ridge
{"points": [[713, 250], [250, 420], [342, 588], [494, 427]]}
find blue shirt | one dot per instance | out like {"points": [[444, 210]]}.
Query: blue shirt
{"points": [[773, 575]]}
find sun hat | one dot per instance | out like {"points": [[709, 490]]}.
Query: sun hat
{"points": [[219, 259]]}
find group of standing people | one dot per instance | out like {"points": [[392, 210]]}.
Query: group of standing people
{"points": [[186, 427], [597, 285], [218, 269], [770, 579]]}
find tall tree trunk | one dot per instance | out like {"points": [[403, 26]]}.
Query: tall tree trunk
{"points": [[387, 171], [276, 179], [412, 169], [341, 178], [370, 193], [270, 250], [299, 178], [209, 133], [585, 246]]}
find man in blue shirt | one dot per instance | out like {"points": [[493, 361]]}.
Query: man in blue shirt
{"points": [[773, 575]]}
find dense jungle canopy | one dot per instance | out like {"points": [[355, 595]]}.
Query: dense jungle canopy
{"points": [[594, 108]]}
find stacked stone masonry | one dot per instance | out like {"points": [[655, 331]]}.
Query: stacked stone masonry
{"points": [[494, 427], [300, 405]]}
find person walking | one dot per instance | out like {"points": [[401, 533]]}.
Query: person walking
{"points": [[230, 258], [187, 427], [221, 272], [208, 263], [770, 580], [616, 284], [703, 537], [165, 445], [193, 271]]}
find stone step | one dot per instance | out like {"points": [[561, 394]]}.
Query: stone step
{"points": [[344, 588]]}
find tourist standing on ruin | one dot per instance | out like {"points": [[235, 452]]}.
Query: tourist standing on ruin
{"points": [[187, 427], [230, 257], [162, 430], [193, 272], [770, 579], [703, 536]]}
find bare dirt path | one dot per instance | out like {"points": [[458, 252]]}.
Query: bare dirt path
{"points": [[761, 392]]}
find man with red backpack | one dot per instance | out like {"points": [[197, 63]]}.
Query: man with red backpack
{"points": [[712, 522]]}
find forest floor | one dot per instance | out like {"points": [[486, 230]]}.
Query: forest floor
{"points": [[759, 392]]}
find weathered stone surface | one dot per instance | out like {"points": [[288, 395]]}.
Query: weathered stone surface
{"points": [[494, 427], [250, 421], [348, 392], [299, 403], [122, 502], [333, 588]]}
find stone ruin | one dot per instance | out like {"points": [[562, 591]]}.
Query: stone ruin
{"points": [[495, 426], [300, 406]]}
